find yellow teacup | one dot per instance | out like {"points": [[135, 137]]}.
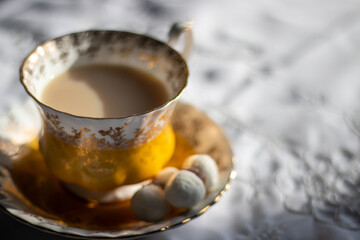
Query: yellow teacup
{"points": [[100, 154]]}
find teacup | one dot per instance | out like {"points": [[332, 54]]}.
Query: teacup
{"points": [[100, 154]]}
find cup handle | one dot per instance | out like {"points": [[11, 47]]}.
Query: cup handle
{"points": [[176, 31]]}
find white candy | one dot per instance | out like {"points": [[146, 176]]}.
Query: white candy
{"points": [[164, 175], [185, 189], [121, 193], [149, 203], [207, 166]]}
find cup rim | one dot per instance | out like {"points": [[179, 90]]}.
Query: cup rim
{"points": [[163, 106]]}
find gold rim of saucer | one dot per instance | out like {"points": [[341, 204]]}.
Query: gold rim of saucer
{"points": [[201, 132]]}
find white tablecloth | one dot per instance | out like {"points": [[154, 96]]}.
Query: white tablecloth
{"points": [[281, 78]]}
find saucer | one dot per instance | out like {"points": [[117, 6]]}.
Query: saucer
{"points": [[34, 196]]}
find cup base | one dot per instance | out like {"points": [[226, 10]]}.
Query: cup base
{"points": [[121, 193]]}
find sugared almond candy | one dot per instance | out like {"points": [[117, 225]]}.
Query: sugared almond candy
{"points": [[184, 189], [164, 175], [207, 166], [149, 203], [118, 194]]}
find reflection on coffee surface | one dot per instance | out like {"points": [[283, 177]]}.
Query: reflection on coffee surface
{"points": [[104, 91]]}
